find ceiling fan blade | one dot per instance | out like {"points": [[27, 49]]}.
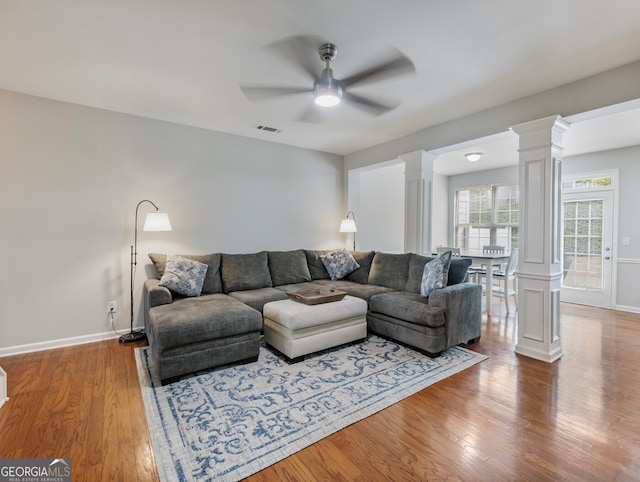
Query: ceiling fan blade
{"points": [[261, 92], [370, 106], [302, 52], [313, 114], [395, 67]]}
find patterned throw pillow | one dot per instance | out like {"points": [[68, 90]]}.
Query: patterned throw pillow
{"points": [[339, 263], [435, 274], [184, 276]]}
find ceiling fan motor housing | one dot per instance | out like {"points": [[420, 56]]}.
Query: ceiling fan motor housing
{"points": [[327, 52]]}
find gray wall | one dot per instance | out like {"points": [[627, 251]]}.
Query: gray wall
{"points": [[380, 208], [71, 179]]}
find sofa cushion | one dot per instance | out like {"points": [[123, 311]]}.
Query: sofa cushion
{"points": [[245, 272], [287, 267], [435, 274], [390, 270], [457, 271], [409, 307], [364, 259], [184, 276], [256, 299], [212, 282], [339, 263], [352, 288], [316, 268], [195, 320]]}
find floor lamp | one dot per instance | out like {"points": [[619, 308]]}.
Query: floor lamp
{"points": [[154, 221], [348, 225]]}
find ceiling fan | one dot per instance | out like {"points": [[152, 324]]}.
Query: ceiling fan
{"points": [[327, 90]]}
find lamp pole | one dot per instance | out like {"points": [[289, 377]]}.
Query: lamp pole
{"points": [[135, 335]]}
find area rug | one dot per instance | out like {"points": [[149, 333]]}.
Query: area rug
{"points": [[229, 423]]}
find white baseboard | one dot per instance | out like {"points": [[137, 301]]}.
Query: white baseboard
{"points": [[629, 309], [60, 343], [3, 387]]}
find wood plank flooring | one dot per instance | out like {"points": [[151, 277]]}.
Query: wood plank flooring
{"points": [[507, 418]]}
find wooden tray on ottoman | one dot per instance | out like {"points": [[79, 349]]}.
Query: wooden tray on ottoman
{"points": [[315, 296]]}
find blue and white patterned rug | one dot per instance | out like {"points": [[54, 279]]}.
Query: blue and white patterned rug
{"points": [[229, 423]]}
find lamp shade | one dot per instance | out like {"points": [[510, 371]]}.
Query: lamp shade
{"points": [[348, 225], [157, 221]]}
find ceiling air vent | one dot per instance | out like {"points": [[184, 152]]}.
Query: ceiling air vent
{"points": [[267, 129]]}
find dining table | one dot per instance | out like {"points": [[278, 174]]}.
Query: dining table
{"points": [[490, 261]]}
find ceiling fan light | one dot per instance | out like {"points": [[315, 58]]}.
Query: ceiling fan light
{"points": [[473, 156], [327, 100], [327, 91]]}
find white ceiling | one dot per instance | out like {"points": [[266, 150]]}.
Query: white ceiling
{"points": [[182, 60]]}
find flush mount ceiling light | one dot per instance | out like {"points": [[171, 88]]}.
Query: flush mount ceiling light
{"points": [[473, 156]]}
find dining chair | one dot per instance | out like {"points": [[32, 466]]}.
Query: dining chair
{"points": [[444, 249], [493, 248], [566, 265], [476, 272], [509, 275]]}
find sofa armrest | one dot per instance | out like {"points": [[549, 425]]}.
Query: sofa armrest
{"points": [[462, 305], [155, 295]]}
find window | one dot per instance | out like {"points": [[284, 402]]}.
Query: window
{"points": [[487, 215], [587, 183]]}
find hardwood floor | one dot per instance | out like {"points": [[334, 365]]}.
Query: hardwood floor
{"points": [[507, 418]]}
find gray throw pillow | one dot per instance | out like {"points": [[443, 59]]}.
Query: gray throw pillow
{"points": [[339, 263], [184, 276], [458, 270], [435, 274], [288, 267]]}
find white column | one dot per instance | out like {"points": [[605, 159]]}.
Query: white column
{"points": [[417, 201], [539, 257]]}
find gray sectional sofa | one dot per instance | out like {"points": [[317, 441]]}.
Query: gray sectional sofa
{"points": [[223, 325]]}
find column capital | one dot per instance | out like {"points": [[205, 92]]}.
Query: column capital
{"points": [[541, 133], [544, 124], [418, 161]]}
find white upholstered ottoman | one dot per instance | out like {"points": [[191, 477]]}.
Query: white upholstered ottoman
{"points": [[296, 329]]}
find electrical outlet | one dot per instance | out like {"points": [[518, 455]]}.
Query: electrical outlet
{"points": [[112, 307]]}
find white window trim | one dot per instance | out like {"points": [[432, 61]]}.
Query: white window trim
{"points": [[614, 174]]}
